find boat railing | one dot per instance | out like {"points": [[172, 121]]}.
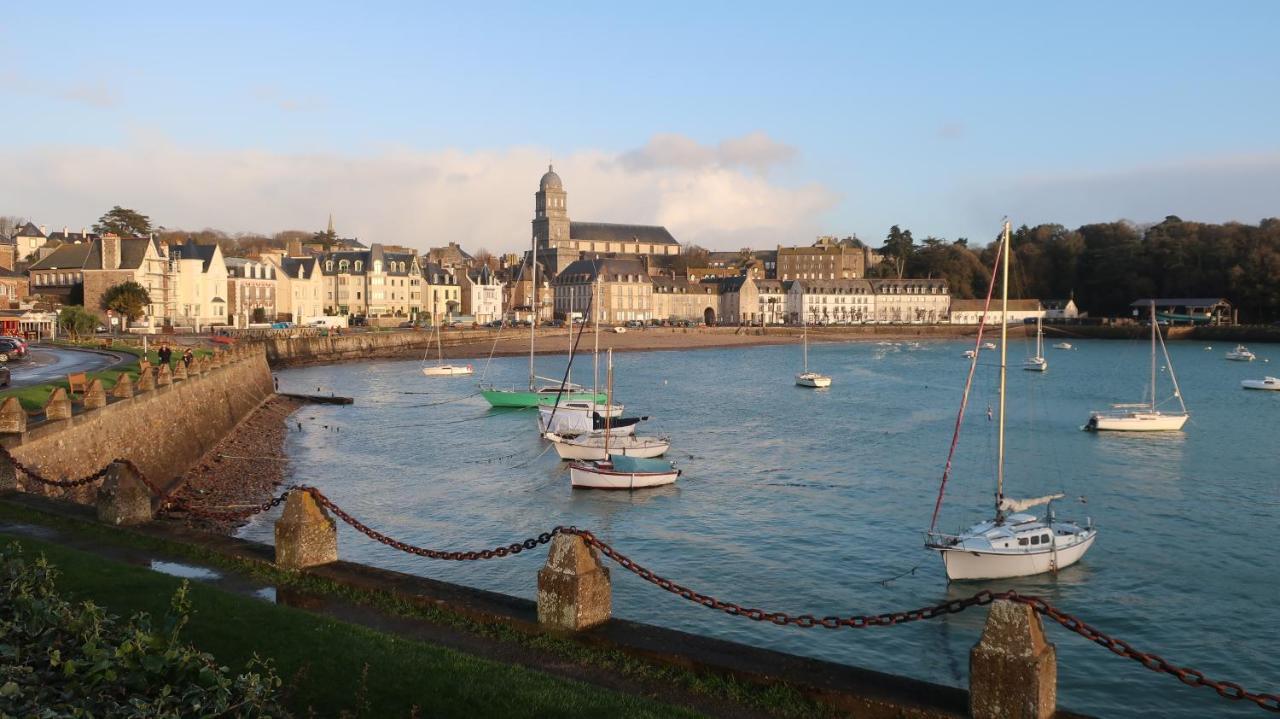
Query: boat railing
{"points": [[941, 539]]}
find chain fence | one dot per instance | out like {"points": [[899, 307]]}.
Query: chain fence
{"points": [[1154, 662]]}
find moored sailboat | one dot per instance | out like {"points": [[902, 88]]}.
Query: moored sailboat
{"points": [[1144, 416], [1014, 543], [1038, 363], [807, 378], [441, 369]]}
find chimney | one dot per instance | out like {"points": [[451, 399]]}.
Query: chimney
{"points": [[44, 230], [110, 252], [295, 248]]}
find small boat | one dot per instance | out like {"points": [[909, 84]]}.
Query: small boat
{"points": [[1270, 383], [807, 378], [970, 354], [1241, 354], [1144, 416], [1014, 543], [619, 471], [445, 370], [1063, 346], [1037, 363], [592, 447], [622, 472], [988, 345]]}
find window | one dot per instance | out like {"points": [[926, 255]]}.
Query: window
{"points": [[1044, 538], [359, 264], [1023, 541], [1035, 539], [328, 266]]}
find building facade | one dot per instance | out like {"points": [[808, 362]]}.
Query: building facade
{"points": [[441, 294], [251, 291], [830, 302], [681, 298], [969, 312], [199, 285], [915, 301], [481, 295], [626, 290], [300, 287], [826, 259]]}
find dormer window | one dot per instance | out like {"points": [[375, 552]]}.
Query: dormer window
{"points": [[359, 265], [328, 266], [343, 266]]}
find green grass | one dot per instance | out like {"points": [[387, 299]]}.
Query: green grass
{"points": [[776, 699], [34, 397], [331, 666]]}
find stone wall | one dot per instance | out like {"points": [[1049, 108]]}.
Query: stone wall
{"points": [[165, 430], [293, 351]]}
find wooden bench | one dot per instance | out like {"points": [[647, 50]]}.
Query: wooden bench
{"points": [[78, 382]]}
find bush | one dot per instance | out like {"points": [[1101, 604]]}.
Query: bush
{"points": [[64, 660]]}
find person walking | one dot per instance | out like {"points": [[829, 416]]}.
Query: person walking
{"points": [[165, 353], [187, 358]]}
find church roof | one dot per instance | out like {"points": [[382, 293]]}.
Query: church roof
{"points": [[550, 181], [610, 232]]}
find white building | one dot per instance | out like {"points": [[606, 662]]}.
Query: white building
{"points": [[482, 295], [199, 284], [969, 312], [915, 301], [831, 302], [1061, 309]]}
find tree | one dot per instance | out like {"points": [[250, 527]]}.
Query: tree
{"points": [[259, 315], [76, 295], [898, 248], [127, 299], [75, 321], [124, 222], [690, 256]]}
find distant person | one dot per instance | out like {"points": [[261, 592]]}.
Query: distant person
{"points": [[165, 354], [187, 358]]}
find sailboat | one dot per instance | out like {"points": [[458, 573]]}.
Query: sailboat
{"points": [[441, 369], [807, 378], [1144, 416], [618, 470], [1014, 543], [541, 389], [1037, 363]]}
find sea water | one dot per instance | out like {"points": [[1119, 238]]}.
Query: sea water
{"points": [[815, 501]]}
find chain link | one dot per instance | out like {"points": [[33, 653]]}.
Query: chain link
{"points": [[234, 515]]}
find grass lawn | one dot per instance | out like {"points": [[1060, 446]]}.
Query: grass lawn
{"points": [[34, 397], [324, 660]]}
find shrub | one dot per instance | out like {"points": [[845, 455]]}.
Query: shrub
{"points": [[63, 660]]}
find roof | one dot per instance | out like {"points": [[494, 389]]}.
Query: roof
{"points": [[299, 268], [132, 252], [732, 284], [609, 232], [550, 181], [1198, 302], [29, 230], [674, 285], [842, 287], [437, 275], [1056, 304], [482, 276], [608, 268], [189, 251], [770, 286], [977, 305], [63, 236], [65, 257], [881, 284]]}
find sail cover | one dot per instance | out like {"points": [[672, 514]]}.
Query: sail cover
{"points": [[1022, 505]]}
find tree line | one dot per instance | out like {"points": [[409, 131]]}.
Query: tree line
{"points": [[1106, 266]]}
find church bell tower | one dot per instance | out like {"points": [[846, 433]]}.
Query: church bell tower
{"points": [[550, 212]]}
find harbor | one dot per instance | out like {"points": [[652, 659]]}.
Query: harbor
{"points": [[818, 500]]}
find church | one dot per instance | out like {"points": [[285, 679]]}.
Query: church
{"points": [[561, 241]]}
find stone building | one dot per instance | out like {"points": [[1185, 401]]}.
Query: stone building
{"points": [[251, 291], [681, 298], [55, 274], [969, 312], [113, 260], [923, 301], [626, 290], [13, 287], [830, 302], [560, 241], [372, 283], [826, 259], [441, 294]]}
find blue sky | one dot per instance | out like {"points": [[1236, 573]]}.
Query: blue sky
{"points": [[942, 117]]}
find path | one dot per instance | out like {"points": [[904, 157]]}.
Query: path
{"points": [[46, 364]]}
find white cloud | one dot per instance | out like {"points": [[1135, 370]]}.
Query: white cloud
{"points": [[410, 197], [756, 151]]}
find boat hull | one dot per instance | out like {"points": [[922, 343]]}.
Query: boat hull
{"points": [[593, 448], [1032, 365], [447, 370], [965, 564], [1137, 422], [1239, 358], [529, 398], [587, 477], [815, 381], [1266, 384]]}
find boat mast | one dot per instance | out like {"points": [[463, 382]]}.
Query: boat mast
{"points": [[1177, 391], [806, 343], [533, 305], [1004, 347], [439, 343], [1153, 356], [594, 308], [608, 406], [1039, 339]]}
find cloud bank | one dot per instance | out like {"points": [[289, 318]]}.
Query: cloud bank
{"points": [[719, 196]]}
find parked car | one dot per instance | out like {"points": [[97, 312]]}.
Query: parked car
{"points": [[635, 325], [4, 376], [555, 323], [12, 348]]}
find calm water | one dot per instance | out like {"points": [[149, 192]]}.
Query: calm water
{"points": [[804, 501]]}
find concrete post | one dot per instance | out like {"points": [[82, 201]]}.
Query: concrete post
{"points": [[13, 418], [123, 498], [95, 396], [146, 382], [164, 376], [59, 405], [1013, 669], [123, 388], [305, 534], [8, 475], [574, 592], [179, 371], [197, 368]]}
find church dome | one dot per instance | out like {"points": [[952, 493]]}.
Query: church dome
{"points": [[550, 181]]}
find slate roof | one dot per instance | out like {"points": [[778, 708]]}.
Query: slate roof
{"points": [[299, 268], [61, 236], [29, 230], [437, 275], [189, 251], [609, 268], [609, 232], [674, 285], [65, 257], [132, 251]]}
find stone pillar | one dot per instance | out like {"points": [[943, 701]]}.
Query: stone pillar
{"points": [[123, 498], [8, 475], [573, 586], [59, 405], [164, 376], [146, 382], [197, 367], [179, 371], [13, 418], [305, 534], [1013, 669], [95, 396], [123, 388]]}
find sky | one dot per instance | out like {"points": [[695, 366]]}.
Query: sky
{"points": [[733, 124]]}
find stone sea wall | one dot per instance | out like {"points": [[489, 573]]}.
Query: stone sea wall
{"points": [[294, 351], [164, 423]]}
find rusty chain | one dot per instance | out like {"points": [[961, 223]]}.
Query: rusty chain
{"points": [[1154, 662]]}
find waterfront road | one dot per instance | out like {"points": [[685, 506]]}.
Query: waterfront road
{"points": [[44, 364]]}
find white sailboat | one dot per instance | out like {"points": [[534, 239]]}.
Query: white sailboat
{"points": [[1037, 363], [593, 447], [807, 378], [1241, 354], [617, 470], [1014, 543], [1266, 383], [1063, 346], [1144, 416], [441, 369]]}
